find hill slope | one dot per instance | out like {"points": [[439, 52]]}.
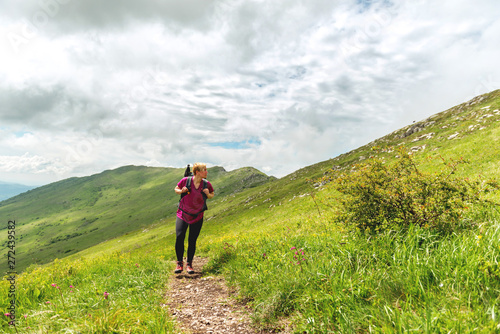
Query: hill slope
{"points": [[328, 278], [470, 130], [68, 216]]}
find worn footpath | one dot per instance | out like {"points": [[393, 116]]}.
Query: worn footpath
{"points": [[203, 304]]}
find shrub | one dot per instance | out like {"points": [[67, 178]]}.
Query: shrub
{"points": [[376, 195]]}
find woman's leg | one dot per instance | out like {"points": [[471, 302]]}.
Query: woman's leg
{"points": [[194, 232], [180, 231]]}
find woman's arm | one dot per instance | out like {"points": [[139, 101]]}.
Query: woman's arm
{"points": [[179, 191], [209, 194]]}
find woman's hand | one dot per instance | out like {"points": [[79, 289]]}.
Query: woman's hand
{"points": [[208, 193], [179, 191]]}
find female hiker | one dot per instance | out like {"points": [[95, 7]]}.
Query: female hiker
{"points": [[194, 191]]}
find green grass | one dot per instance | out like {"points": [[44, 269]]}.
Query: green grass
{"points": [[341, 280], [345, 281], [70, 296]]}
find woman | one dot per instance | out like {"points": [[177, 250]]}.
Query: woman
{"points": [[190, 213]]}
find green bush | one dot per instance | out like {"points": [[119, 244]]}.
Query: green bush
{"points": [[377, 196]]}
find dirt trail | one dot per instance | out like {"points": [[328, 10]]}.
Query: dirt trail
{"points": [[202, 304]]}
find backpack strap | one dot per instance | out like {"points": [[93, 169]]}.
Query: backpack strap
{"points": [[191, 214], [205, 186], [188, 186]]}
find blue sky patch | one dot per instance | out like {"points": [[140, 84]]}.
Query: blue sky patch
{"points": [[21, 133], [237, 145]]}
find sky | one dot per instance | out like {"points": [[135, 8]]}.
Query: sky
{"points": [[87, 86]]}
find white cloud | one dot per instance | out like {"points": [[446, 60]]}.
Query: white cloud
{"points": [[29, 164], [93, 85]]}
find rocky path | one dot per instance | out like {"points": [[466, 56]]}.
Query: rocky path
{"points": [[203, 304]]}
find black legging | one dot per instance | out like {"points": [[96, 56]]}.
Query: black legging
{"points": [[194, 231]]}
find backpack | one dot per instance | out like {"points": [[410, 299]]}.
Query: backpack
{"points": [[188, 185], [187, 172]]}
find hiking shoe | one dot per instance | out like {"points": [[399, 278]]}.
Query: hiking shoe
{"points": [[179, 268], [189, 268]]}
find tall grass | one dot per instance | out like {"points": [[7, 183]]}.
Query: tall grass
{"points": [[116, 293], [327, 279]]}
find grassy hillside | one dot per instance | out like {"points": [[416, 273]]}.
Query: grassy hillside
{"points": [[66, 217], [344, 281], [282, 245]]}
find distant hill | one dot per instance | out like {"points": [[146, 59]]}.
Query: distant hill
{"points": [[65, 217], [8, 190]]}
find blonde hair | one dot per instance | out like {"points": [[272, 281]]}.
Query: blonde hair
{"points": [[197, 167]]}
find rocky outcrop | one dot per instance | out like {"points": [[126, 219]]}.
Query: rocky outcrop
{"points": [[417, 127]]}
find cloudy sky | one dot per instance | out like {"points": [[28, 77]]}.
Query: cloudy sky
{"points": [[92, 85]]}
